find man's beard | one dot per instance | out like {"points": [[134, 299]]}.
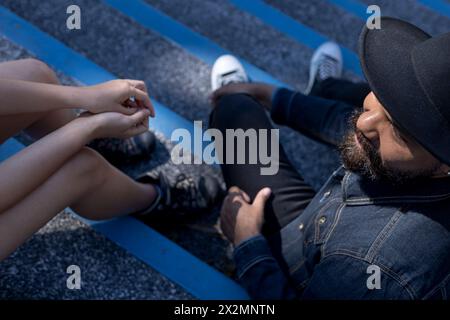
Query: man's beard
{"points": [[367, 162]]}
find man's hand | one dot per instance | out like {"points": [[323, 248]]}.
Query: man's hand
{"points": [[240, 219], [260, 91], [122, 96]]}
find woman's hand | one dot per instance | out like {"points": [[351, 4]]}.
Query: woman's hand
{"points": [[122, 96], [116, 125], [260, 91]]}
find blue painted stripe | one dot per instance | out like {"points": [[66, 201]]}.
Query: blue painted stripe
{"points": [[440, 6], [355, 7], [169, 259], [195, 276], [294, 29], [196, 44], [8, 148]]}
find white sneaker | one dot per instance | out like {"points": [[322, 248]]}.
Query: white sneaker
{"points": [[326, 62], [227, 69]]}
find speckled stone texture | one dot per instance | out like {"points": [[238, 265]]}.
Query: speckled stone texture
{"points": [[37, 270]]}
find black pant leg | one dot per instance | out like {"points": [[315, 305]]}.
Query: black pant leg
{"points": [[290, 193]]}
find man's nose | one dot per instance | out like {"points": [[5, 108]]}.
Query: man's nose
{"points": [[370, 123]]}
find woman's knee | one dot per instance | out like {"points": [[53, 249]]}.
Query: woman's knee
{"points": [[38, 71], [89, 165]]}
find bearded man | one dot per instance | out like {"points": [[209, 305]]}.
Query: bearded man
{"points": [[379, 227]]}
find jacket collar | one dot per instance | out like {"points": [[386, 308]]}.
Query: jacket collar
{"points": [[357, 190]]}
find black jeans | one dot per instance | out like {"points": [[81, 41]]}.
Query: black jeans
{"points": [[290, 193]]}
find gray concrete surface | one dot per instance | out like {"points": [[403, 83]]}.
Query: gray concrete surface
{"points": [[338, 24], [37, 270]]}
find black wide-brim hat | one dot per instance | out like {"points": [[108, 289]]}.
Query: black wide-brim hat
{"points": [[409, 73]]}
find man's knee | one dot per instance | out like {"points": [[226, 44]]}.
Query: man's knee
{"points": [[233, 106], [236, 102], [38, 71]]}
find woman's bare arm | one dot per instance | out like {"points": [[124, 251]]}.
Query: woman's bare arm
{"points": [[25, 171], [18, 97]]}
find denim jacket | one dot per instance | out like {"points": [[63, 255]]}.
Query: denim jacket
{"points": [[357, 239]]}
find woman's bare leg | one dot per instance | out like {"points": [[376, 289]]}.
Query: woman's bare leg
{"points": [[36, 125], [88, 184]]}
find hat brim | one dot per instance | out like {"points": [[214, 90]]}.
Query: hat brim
{"points": [[385, 56]]}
